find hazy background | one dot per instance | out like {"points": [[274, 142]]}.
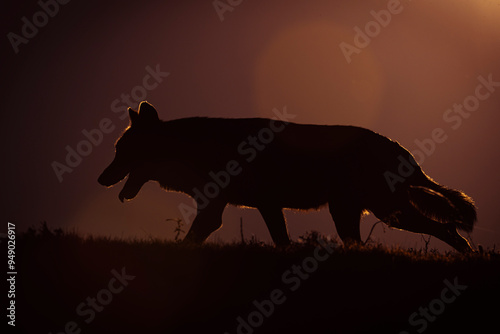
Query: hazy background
{"points": [[263, 55]]}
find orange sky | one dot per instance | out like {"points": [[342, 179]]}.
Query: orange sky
{"points": [[263, 55]]}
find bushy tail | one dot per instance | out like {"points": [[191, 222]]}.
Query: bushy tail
{"points": [[444, 204]]}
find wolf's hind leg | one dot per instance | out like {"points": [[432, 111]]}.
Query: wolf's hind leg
{"points": [[207, 221], [413, 221], [346, 219], [276, 224]]}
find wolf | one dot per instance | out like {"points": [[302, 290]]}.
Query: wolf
{"points": [[271, 165]]}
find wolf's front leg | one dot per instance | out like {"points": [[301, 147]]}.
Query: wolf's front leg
{"points": [[207, 221]]}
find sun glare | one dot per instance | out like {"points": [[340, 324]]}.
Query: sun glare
{"points": [[303, 68]]}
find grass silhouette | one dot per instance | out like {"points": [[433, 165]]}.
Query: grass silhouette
{"points": [[186, 288]]}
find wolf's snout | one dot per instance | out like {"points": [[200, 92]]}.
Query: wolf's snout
{"points": [[112, 175], [108, 180], [103, 181]]}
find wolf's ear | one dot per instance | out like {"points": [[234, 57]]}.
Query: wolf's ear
{"points": [[147, 113], [134, 115]]}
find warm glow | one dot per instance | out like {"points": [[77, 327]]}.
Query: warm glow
{"points": [[303, 68]]}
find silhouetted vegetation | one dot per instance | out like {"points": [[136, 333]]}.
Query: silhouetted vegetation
{"points": [[186, 288]]}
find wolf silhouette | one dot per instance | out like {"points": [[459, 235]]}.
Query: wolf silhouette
{"points": [[273, 164]]}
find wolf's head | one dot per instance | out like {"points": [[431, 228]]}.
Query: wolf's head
{"points": [[134, 151]]}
